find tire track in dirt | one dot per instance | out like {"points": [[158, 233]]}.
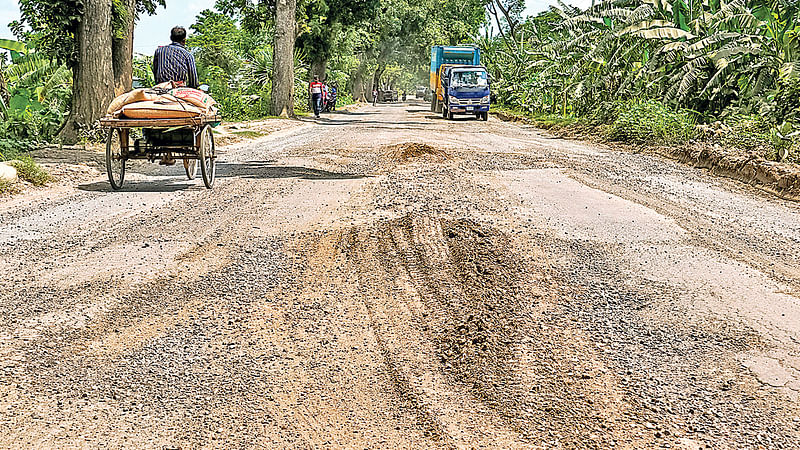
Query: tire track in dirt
{"points": [[462, 321]]}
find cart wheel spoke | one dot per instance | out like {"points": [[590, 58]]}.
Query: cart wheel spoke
{"points": [[116, 153]]}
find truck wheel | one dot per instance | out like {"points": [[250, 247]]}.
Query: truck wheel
{"points": [[433, 105], [485, 116], [444, 112], [449, 114]]}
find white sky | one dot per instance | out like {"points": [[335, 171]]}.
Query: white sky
{"points": [[152, 31]]}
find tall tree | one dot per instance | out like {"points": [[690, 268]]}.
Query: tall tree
{"points": [[125, 14], [92, 79], [122, 46], [323, 20], [81, 34], [283, 62]]}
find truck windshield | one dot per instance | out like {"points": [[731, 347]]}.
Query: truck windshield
{"points": [[470, 78]]}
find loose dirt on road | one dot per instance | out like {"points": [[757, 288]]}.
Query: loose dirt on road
{"points": [[383, 278]]}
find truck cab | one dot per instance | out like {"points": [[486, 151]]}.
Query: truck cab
{"points": [[465, 90]]}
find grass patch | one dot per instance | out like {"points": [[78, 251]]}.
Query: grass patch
{"points": [[249, 133], [7, 187], [542, 120], [652, 122], [28, 170]]}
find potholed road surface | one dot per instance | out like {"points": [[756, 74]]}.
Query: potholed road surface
{"points": [[387, 279]]}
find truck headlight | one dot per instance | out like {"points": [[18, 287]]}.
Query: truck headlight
{"points": [[485, 99], [453, 100]]}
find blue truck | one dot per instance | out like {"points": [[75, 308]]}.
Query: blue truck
{"points": [[460, 84]]}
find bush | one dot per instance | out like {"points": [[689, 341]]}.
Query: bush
{"points": [[606, 112], [10, 148], [652, 122], [344, 98], [751, 132], [28, 170]]}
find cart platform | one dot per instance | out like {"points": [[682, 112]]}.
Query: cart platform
{"points": [[189, 139]]}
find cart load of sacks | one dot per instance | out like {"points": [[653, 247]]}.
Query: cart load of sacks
{"points": [[163, 101]]}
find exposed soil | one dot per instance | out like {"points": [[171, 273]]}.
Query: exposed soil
{"points": [[409, 150], [384, 278]]}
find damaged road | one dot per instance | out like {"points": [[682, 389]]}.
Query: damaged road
{"points": [[384, 278]]}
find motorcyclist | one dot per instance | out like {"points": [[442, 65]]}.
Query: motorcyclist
{"points": [[333, 93], [315, 91], [326, 98]]}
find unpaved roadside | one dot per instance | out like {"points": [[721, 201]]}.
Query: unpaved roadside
{"points": [[383, 278]]}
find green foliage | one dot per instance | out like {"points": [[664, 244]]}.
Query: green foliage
{"points": [[13, 46], [53, 25], [28, 170], [651, 122], [143, 70], [697, 56], [12, 148], [651, 69], [321, 21], [50, 26], [39, 90], [26, 118], [749, 132], [218, 41]]}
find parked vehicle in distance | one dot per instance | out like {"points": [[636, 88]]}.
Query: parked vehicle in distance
{"points": [[420, 93], [387, 95]]}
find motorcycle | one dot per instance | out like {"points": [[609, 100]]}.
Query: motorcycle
{"points": [[329, 103]]}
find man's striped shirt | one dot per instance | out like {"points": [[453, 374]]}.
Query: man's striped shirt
{"points": [[174, 63]]}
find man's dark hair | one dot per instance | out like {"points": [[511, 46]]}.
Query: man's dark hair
{"points": [[178, 34]]}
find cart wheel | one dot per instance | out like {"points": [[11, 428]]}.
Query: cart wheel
{"points": [[190, 165], [208, 160], [115, 157]]}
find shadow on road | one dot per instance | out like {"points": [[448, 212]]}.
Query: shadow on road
{"points": [[264, 169], [334, 122], [166, 185]]}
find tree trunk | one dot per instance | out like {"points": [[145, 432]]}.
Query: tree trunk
{"points": [[93, 75], [283, 62], [122, 52], [357, 80], [376, 77], [318, 67]]}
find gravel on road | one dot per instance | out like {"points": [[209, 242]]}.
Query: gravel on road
{"points": [[384, 278]]}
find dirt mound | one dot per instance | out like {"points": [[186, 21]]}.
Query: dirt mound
{"points": [[457, 299], [409, 150]]}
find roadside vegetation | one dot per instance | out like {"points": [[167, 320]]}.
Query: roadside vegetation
{"points": [[660, 72]]}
